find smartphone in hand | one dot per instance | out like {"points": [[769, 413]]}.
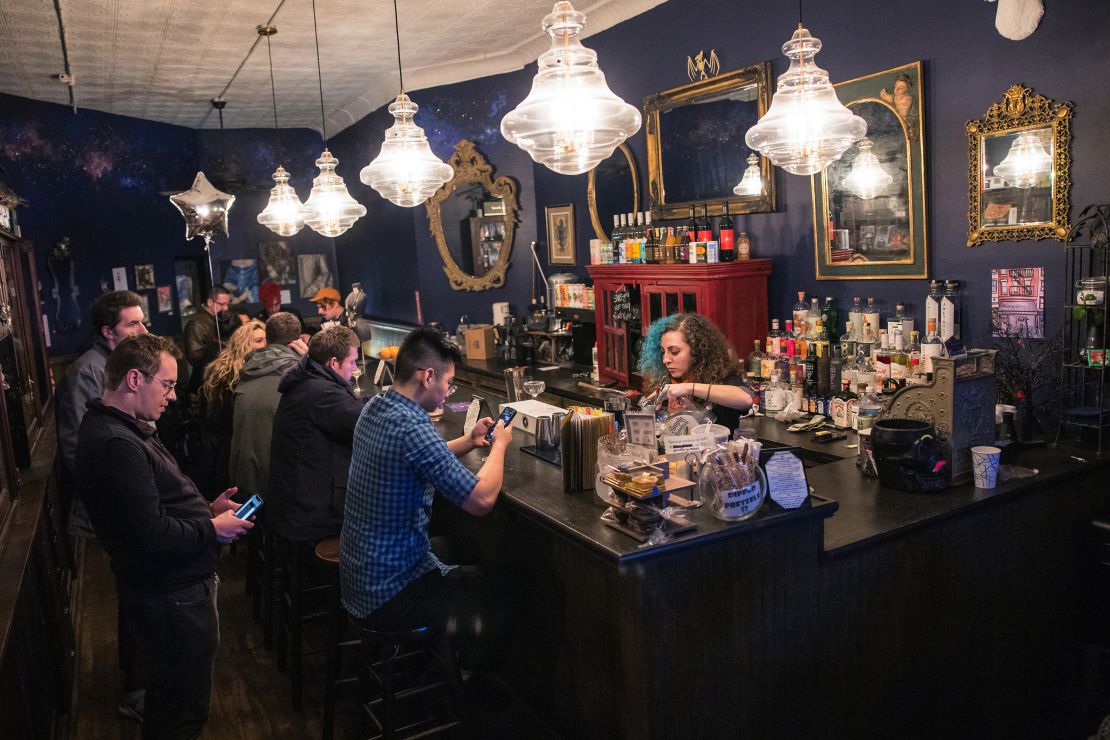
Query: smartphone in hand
{"points": [[247, 510], [506, 418]]}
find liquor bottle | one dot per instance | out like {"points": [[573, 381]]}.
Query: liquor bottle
{"points": [[670, 247], [755, 363], [797, 369], [775, 338], [636, 243], [651, 245], [767, 364], [788, 338], [775, 395], [836, 369], [950, 313], [823, 368], [855, 315], [727, 238], [813, 315], [871, 314], [615, 240], [899, 360], [881, 357], [831, 317], [900, 317], [848, 342], [705, 230], [619, 240], [932, 302], [692, 227], [743, 246], [811, 370], [801, 309], [913, 351], [865, 371], [683, 251], [931, 346]]}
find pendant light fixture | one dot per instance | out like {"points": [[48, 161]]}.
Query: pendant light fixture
{"points": [[330, 210], [806, 126], [570, 120], [867, 178], [405, 172], [752, 181], [1027, 163], [282, 214]]}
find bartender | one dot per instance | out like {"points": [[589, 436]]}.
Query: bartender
{"points": [[688, 355]]}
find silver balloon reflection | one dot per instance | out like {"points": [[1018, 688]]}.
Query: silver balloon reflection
{"points": [[204, 208]]}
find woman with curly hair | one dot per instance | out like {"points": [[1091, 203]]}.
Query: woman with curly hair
{"points": [[689, 355], [216, 407]]}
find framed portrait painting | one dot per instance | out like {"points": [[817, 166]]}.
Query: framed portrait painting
{"points": [[869, 205], [561, 245]]}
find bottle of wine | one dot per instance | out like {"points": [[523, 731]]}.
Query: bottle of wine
{"points": [[692, 227], [728, 238], [831, 316], [651, 246], [620, 239], [705, 229]]}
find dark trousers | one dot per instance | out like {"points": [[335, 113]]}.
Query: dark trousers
{"points": [[179, 633], [469, 606]]}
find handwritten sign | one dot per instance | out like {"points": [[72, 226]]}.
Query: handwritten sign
{"points": [[787, 479]]}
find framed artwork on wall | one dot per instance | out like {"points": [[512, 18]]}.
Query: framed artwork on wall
{"points": [[144, 277], [165, 299], [561, 245], [275, 260], [119, 278], [315, 273], [869, 205]]}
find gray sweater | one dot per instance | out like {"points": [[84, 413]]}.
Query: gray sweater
{"points": [[256, 401]]}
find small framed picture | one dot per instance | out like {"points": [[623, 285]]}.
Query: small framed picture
{"points": [[561, 245], [119, 278], [144, 277], [165, 299]]}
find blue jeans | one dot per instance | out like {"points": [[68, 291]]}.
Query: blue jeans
{"points": [[179, 632]]}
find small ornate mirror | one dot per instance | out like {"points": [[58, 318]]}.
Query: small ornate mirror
{"points": [[1019, 169], [613, 189], [472, 218]]}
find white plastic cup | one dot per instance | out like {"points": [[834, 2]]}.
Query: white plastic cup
{"points": [[984, 462]]}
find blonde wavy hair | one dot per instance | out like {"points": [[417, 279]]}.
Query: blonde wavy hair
{"points": [[222, 374]]}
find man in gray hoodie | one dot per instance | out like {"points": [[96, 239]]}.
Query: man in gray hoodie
{"points": [[256, 401]]}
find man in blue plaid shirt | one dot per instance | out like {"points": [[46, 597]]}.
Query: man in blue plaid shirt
{"points": [[392, 574]]}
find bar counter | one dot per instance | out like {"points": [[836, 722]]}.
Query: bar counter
{"points": [[873, 612]]}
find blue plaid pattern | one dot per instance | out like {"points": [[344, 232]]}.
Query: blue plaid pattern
{"points": [[398, 462]]}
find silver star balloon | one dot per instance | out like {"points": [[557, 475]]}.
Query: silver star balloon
{"points": [[204, 208]]}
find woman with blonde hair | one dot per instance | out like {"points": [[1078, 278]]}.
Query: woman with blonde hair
{"points": [[689, 356], [215, 412]]}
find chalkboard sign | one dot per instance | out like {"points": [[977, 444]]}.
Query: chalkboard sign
{"points": [[622, 305]]}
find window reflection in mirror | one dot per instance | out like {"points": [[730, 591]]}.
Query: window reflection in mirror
{"points": [[1016, 179], [473, 238], [869, 192]]}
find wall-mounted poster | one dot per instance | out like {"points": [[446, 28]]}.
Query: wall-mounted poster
{"points": [[314, 273], [119, 278], [869, 205], [144, 277], [560, 235], [165, 299], [240, 279], [1017, 302], [275, 261]]}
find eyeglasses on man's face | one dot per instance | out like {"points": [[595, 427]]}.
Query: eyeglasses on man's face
{"points": [[167, 386], [451, 387]]}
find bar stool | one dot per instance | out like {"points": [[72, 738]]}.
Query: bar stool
{"points": [[261, 572], [327, 555], [401, 674], [297, 593]]}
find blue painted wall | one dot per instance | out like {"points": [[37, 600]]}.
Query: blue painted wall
{"points": [[96, 177]]}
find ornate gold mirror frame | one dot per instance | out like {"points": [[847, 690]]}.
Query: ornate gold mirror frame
{"points": [[591, 191], [993, 199], [471, 167]]}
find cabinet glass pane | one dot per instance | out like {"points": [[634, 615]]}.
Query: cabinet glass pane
{"points": [[655, 307], [690, 302], [672, 303]]}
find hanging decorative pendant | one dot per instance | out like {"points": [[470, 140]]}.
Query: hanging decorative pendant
{"points": [[752, 181], [330, 210], [867, 178], [405, 172], [570, 120], [282, 214]]}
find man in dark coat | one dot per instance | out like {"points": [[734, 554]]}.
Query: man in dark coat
{"points": [[256, 402], [202, 340], [310, 451]]}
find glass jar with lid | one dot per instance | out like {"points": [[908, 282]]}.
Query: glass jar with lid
{"points": [[1090, 291]]}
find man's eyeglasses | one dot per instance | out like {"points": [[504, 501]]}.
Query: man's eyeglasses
{"points": [[167, 386], [451, 387]]}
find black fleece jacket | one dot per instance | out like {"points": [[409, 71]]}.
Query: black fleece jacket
{"points": [[148, 515]]}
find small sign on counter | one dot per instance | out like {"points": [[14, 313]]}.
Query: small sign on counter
{"points": [[786, 476]]}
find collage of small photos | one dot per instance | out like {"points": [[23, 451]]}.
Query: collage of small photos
{"points": [[242, 276]]}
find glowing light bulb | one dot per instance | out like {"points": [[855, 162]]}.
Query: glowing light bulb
{"points": [[330, 210], [752, 181], [282, 214], [867, 178], [405, 172]]}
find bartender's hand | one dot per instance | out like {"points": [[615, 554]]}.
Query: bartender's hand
{"points": [[478, 433], [677, 391], [300, 346], [224, 503]]}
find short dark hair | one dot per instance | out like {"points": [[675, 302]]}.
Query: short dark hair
{"points": [[282, 328], [425, 348], [106, 309], [142, 352], [217, 291], [335, 341]]}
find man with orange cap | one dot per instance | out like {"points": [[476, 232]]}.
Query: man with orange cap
{"points": [[330, 309]]}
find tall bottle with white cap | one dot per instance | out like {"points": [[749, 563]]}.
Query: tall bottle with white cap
{"points": [[950, 311]]}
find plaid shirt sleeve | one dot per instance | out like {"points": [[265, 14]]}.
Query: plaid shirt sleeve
{"points": [[434, 463]]}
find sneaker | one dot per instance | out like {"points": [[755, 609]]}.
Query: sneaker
{"points": [[131, 705]]}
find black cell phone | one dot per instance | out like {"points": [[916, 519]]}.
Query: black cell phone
{"points": [[247, 510], [506, 418]]}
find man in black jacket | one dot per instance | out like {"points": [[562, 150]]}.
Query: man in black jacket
{"points": [[202, 339], [310, 451], [161, 535]]}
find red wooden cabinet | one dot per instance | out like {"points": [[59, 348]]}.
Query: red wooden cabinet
{"points": [[733, 295]]}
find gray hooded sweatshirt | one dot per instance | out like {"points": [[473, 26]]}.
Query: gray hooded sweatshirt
{"points": [[256, 400]]}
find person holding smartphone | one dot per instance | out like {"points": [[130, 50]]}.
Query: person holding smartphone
{"points": [[393, 574]]}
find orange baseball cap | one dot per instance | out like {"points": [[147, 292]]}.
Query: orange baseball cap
{"points": [[325, 294]]}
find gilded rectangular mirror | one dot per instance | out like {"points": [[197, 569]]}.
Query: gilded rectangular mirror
{"points": [[695, 143], [869, 205], [1019, 169]]}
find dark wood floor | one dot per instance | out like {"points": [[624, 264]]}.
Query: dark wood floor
{"points": [[250, 698]]}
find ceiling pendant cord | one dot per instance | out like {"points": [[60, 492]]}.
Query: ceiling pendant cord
{"points": [[319, 77], [269, 31], [219, 105], [397, 33]]}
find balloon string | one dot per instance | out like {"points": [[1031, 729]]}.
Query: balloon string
{"points": [[212, 283]]}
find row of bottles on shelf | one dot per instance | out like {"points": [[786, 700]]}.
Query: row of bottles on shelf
{"points": [[636, 241], [811, 320]]}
